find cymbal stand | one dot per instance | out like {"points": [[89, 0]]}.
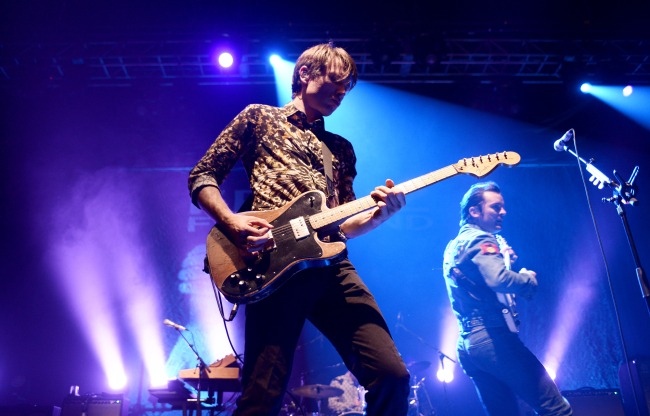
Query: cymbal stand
{"points": [[429, 398], [416, 399], [444, 379], [442, 356]]}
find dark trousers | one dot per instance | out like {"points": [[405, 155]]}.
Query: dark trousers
{"points": [[337, 302], [501, 366]]}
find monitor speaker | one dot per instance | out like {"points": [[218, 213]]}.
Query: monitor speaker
{"points": [[595, 402]]}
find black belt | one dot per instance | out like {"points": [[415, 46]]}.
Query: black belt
{"points": [[486, 321]]}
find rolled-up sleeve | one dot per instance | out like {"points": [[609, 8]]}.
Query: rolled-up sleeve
{"points": [[218, 161]]}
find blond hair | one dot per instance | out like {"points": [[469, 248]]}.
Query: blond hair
{"points": [[317, 58]]}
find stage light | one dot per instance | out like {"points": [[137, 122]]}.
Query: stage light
{"points": [[633, 102], [226, 60], [275, 60], [550, 372], [117, 380], [445, 375], [585, 88]]}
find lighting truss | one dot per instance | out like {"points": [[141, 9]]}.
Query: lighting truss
{"points": [[457, 59]]}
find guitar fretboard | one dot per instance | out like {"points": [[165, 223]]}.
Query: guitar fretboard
{"points": [[345, 211]]}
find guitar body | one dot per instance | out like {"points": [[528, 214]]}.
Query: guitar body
{"points": [[247, 280]]}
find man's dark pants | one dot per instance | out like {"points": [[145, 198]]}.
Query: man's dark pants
{"points": [[501, 366], [337, 302]]}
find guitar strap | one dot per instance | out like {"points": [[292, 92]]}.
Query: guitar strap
{"points": [[327, 167]]}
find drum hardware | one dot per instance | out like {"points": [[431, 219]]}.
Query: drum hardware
{"points": [[442, 357], [414, 403], [318, 392]]}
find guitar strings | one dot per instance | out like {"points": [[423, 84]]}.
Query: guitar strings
{"points": [[359, 205]]}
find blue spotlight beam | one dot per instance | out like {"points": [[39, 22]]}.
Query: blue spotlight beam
{"points": [[283, 72], [634, 106]]}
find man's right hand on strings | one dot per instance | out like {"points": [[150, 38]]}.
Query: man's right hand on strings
{"points": [[249, 234]]}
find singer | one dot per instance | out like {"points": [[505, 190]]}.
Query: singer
{"points": [[488, 351]]}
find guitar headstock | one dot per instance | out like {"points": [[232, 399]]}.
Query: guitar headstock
{"points": [[484, 165]]}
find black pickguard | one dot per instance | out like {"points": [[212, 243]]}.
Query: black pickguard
{"points": [[270, 270]]}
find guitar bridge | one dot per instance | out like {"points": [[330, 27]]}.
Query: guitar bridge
{"points": [[299, 228]]}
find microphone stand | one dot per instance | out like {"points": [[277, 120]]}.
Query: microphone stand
{"points": [[202, 366], [442, 356], [623, 194]]}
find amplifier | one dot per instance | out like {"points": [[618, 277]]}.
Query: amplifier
{"points": [[108, 405], [74, 405], [595, 402]]}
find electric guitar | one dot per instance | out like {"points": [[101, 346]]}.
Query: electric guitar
{"points": [[508, 299], [295, 241]]}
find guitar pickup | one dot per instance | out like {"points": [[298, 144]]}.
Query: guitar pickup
{"points": [[299, 228]]}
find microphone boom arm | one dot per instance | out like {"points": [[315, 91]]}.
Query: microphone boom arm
{"points": [[598, 178]]}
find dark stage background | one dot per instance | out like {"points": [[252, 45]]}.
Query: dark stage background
{"points": [[96, 217]]}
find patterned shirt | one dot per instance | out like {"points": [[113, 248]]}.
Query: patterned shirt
{"points": [[282, 155]]}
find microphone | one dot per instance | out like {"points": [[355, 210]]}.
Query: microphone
{"points": [[173, 325], [560, 144]]}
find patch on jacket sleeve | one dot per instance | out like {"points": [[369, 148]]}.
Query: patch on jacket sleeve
{"points": [[489, 248]]}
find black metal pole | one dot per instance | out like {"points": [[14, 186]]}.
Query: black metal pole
{"points": [[640, 274]]}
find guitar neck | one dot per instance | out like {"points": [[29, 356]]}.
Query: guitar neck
{"points": [[504, 247], [342, 212]]}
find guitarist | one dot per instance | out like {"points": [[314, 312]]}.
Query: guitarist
{"points": [[488, 351], [282, 151]]}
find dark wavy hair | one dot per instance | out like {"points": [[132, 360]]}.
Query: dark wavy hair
{"points": [[474, 197], [317, 58]]}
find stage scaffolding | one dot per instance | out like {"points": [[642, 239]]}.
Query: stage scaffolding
{"points": [[439, 59]]}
